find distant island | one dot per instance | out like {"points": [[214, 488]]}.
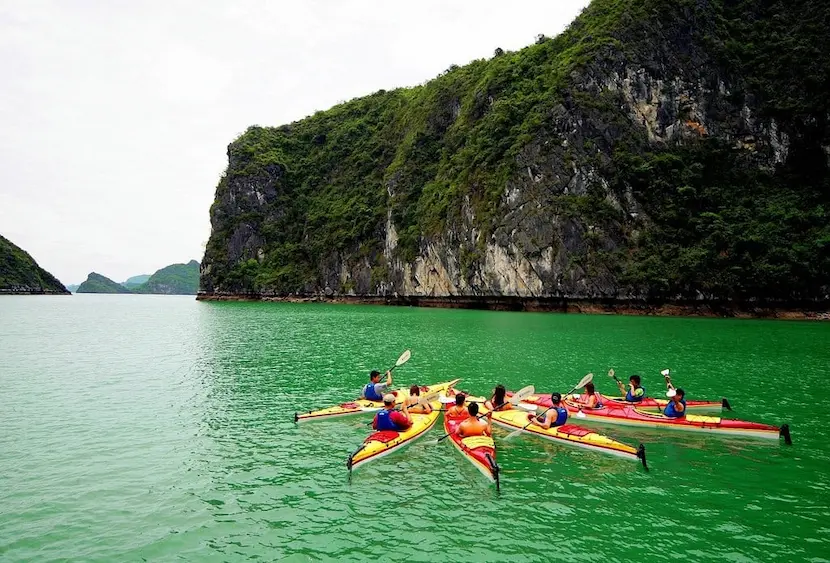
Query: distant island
{"points": [[21, 275], [175, 279]]}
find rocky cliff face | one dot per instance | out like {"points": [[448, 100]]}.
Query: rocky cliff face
{"points": [[654, 150]]}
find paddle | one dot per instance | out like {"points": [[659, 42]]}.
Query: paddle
{"points": [[671, 392], [582, 383], [402, 360], [517, 397]]}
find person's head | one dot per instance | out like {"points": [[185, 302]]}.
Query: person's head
{"points": [[389, 401], [499, 393], [415, 391], [459, 399], [635, 379], [680, 393], [473, 409], [374, 376], [555, 398], [589, 388]]}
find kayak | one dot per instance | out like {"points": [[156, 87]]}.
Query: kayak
{"points": [[364, 405], [384, 442], [652, 403], [479, 450], [632, 416], [572, 435]]}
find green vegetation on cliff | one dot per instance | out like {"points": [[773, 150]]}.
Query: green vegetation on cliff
{"points": [[176, 279], [135, 281], [96, 283], [19, 273], [675, 148]]}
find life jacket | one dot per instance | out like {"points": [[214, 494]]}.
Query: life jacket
{"points": [[385, 422], [561, 416], [635, 399], [370, 393], [672, 413]]}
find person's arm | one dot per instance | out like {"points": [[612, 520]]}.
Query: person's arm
{"points": [[622, 387], [388, 378], [679, 407], [427, 408], [546, 422], [489, 417], [375, 423], [591, 403]]}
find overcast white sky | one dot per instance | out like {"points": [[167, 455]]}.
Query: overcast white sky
{"points": [[115, 114]]}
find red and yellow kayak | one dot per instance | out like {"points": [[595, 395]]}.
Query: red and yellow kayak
{"points": [[652, 403], [479, 450], [572, 435], [384, 442], [363, 405], [627, 415]]}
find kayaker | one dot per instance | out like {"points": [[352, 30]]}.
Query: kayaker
{"points": [[474, 426], [498, 402], [677, 406], [557, 415], [458, 408], [374, 390], [590, 399], [391, 419], [414, 402], [636, 393]]}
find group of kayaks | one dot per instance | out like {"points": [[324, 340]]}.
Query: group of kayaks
{"points": [[481, 450]]}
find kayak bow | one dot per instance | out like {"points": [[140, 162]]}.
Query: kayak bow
{"points": [[479, 450]]}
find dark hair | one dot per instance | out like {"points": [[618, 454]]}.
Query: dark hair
{"points": [[459, 399], [415, 390], [373, 374], [680, 392], [635, 379], [498, 395], [473, 409], [589, 388], [556, 398]]}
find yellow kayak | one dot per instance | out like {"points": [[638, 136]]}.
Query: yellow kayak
{"points": [[364, 405], [570, 434], [384, 442], [479, 450]]}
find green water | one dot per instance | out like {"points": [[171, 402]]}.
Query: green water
{"points": [[158, 428]]}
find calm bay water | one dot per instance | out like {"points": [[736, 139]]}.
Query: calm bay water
{"points": [[160, 428]]}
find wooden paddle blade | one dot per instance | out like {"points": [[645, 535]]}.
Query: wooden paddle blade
{"points": [[522, 394], [404, 358]]}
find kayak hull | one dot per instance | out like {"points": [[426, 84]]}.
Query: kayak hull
{"points": [[571, 435], [383, 443], [654, 403], [360, 406], [478, 450]]}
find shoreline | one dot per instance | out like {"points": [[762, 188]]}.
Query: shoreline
{"points": [[552, 304]]}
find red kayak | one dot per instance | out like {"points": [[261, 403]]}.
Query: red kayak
{"points": [[633, 416], [480, 450], [652, 403]]}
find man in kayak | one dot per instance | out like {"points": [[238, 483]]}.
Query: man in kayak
{"points": [[590, 399], [414, 403], [677, 406], [458, 409], [391, 419], [374, 390], [498, 402], [636, 393], [474, 426], [557, 415]]}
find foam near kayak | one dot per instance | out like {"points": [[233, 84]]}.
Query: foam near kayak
{"points": [[570, 434], [478, 450], [363, 405], [384, 442]]}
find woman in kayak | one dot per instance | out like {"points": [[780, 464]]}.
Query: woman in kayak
{"points": [[557, 415], [636, 393], [414, 402], [474, 426], [498, 402], [391, 419], [677, 406], [374, 390], [458, 408], [590, 399]]}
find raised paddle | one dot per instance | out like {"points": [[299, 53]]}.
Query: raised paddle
{"points": [[517, 397], [402, 360], [582, 383], [671, 392]]}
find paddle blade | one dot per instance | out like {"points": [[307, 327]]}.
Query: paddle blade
{"points": [[529, 407], [580, 414], [522, 394], [513, 434], [671, 393], [446, 400], [404, 358], [584, 381], [665, 373], [612, 373]]}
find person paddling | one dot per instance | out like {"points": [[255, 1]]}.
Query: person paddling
{"points": [[557, 415], [636, 392], [677, 405], [391, 419], [458, 409], [374, 390], [414, 402], [475, 426], [498, 402], [590, 399]]}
